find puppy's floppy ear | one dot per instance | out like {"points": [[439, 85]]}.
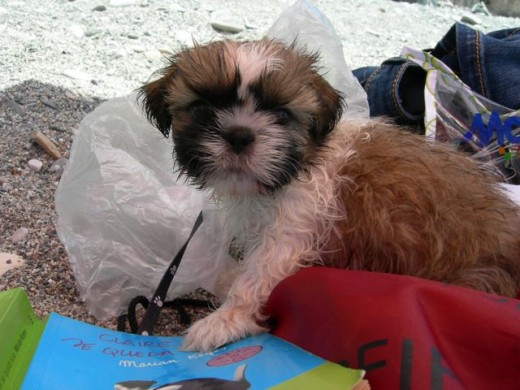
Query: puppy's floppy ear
{"points": [[329, 112], [154, 99]]}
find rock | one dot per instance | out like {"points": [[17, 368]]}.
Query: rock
{"points": [[99, 8], [49, 103], [58, 166], [71, 95], [226, 22], [57, 128], [92, 31], [19, 235], [139, 49], [76, 74], [132, 36], [35, 165], [470, 19]]}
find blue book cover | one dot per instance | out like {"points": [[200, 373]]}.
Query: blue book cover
{"points": [[75, 355]]}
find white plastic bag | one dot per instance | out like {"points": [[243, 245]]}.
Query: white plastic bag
{"points": [[122, 213]]}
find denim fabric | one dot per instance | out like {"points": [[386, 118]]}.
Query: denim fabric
{"points": [[487, 63], [394, 90]]}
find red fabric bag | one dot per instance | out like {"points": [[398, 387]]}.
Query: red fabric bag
{"points": [[407, 333]]}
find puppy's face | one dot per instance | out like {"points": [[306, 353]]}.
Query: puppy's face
{"points": [[246, 118]]}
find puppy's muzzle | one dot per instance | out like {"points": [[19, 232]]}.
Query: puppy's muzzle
{"points": [[239, 138]]}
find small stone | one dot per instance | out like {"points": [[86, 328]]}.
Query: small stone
{"points": [[99, 8], [57, 128], [226, 22], [470, 19], [139, 49], [19, 235], [71, 95], [35, 165], [49, 103], [92, 31], [132, 36], [76, 74], [58, 166]]}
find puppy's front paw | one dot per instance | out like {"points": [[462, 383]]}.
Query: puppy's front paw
{"points": [[220, 327]]}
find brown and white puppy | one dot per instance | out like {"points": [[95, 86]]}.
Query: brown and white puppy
{"points": [[257, 123]]}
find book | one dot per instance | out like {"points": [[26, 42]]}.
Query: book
{"points": [[20, 331], [71, 354]]}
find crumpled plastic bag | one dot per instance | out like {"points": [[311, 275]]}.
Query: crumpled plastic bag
{"points": [[122, 212], [457, 115]]}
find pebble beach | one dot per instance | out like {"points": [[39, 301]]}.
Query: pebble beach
{"points": [[61, 59]]}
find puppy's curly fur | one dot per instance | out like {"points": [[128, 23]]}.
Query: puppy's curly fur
{"points": [[257, 123]]}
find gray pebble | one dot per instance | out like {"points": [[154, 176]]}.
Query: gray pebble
{"points": [[99, 8], [19, 235], [49, 103], [58, 166], [57, 128]]}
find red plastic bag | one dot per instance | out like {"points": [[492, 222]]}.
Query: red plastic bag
{"points": [[407, 333]]}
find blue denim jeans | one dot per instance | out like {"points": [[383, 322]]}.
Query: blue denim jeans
{"points": [[488, 63]]}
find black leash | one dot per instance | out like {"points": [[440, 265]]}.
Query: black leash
{"points": [[153, 307]]}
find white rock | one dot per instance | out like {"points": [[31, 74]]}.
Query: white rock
{"points": [[226, 22], [19, 235], [76, 74], [139, 49], [35, 165]]}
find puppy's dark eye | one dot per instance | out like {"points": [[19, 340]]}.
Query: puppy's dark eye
{"points": [[199, 108], [282, 115]]}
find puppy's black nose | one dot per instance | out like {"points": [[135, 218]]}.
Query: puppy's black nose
{"points": [[239, 138]]}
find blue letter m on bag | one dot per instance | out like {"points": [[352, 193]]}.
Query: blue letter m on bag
{"points": [[503, 130]]}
